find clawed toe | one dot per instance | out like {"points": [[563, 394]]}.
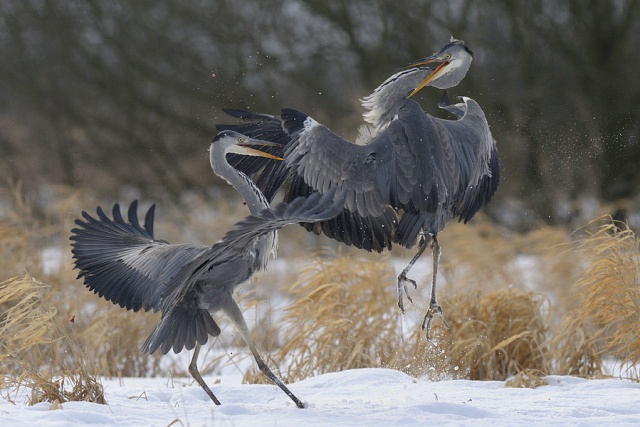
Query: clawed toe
{"points": [[403, 290], [434, 309]]}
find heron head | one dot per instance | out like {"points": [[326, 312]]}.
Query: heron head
{"points": [[454, 61]]}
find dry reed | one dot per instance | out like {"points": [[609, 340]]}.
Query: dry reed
{"points": [[343, 312], [30, 347], [344, 316], [496, 334], [609, 289], [527, 378]]}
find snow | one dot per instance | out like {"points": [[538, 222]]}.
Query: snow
{"points": [[362, 397]]}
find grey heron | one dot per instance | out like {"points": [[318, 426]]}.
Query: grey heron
{"points": [[409, 177], [124, 263]]}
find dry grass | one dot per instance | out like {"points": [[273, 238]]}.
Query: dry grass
{"points": [[31, 345], [520, 306], [344, 314], [527, 378], [573, 348], [77, 386], [25, 323], [340, 319], [40, 347], [496, 334], [344, 317], [609, 289]]}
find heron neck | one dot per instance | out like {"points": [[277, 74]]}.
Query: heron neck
{"points": [[385, 102], [251, 194]]}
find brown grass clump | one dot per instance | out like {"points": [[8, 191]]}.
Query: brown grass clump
{"points": [[25, 323], [76, 386], [527, 378], [30, 347], [496, 334], [344, 313], [610, 290], [572, 348], [344, 316]]}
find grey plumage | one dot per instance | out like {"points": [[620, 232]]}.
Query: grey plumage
{"points": [[124, 263], [415, 173]]}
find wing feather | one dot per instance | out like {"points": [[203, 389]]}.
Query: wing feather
{"points": [[434, 168], [123, 263]]}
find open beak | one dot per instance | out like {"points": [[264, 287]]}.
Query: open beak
{"points": [[436, 73], [251, 147]]}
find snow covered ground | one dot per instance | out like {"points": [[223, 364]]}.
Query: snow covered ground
{"points": [[363, 397]]}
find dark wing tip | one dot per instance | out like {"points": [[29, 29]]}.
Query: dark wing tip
{"points": [[293, 120]]}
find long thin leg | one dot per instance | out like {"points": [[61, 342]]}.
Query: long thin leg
{"points": [[402, 277], [235, 315], [193, 370], [434, 307]]}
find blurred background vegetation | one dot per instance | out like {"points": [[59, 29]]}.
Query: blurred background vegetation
{"points": [[120, 95]]}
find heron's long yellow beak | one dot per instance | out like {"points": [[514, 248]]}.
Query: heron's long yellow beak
{"points": [[433, 75], [245, 146], [429, 78]]}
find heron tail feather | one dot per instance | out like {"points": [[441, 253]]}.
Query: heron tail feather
{"points": [[181, 327]]}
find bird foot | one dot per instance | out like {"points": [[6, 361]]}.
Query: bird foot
{"points": [[403, 289], [434, 309]]}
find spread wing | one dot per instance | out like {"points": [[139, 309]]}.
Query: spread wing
{"points": [[122, 262], [426, 169], [418, 163], [225, 264], [371, 232]]}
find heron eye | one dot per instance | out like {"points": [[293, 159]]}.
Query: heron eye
{"points": [[448, 55]]}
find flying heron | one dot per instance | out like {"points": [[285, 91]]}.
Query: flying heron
{"points": [[124, 263], [409, 174]]}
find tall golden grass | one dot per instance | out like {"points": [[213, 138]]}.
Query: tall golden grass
{"points": [[520, 306], [34, 348], [552, 315], [344, 317], [609, 290]]}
